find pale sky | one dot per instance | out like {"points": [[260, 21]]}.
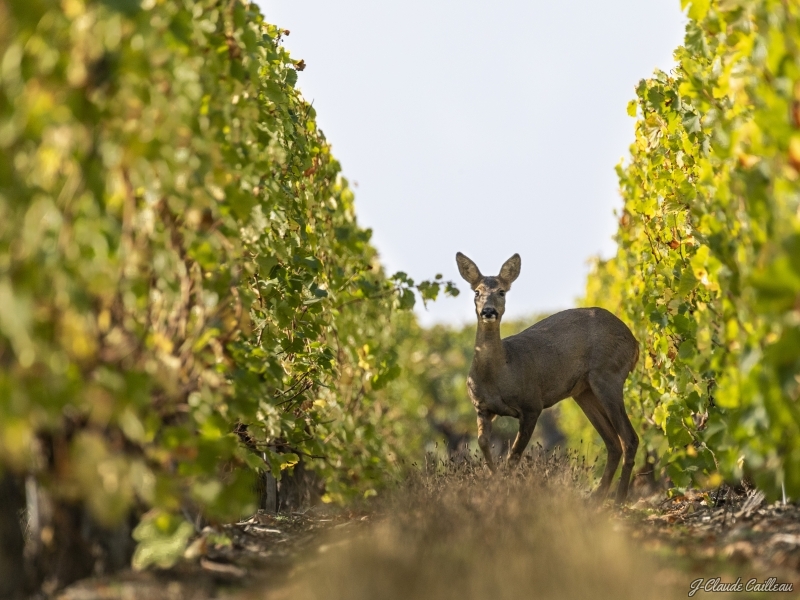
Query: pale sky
{"points": [[482, 127]]}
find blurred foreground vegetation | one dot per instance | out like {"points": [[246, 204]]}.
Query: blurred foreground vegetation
{"points": [[187, 301], [451, 530]]}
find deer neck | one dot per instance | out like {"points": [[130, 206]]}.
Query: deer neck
{"points": [[489, 353]]}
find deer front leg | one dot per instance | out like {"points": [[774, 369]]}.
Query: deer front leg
{"points": [[527, 423], [484, 438]]}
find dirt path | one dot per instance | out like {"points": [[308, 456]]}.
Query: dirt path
{"points": [[459, 533], [723, 532]]}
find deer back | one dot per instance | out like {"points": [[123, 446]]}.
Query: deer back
{"points": [[555, 356]]}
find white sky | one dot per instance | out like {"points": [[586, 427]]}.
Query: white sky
{"points": [[482, 127]]}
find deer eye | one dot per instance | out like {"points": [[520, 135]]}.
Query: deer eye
{"points": [[477, 293], [501, 293]]}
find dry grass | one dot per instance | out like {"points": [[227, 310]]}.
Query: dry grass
{"points": [[456, 532]]}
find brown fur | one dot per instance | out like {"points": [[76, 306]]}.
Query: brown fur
{"points": [[582, 353]]}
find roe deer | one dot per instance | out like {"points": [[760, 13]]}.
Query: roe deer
{"points": [[583, 353]]}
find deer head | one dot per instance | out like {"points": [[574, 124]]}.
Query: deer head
{"points": [[490, 292]]}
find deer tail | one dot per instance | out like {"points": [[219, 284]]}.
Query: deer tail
{"points": [[635, 357]]}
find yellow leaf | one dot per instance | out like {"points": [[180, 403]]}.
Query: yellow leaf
{"points": [[698, 9]]}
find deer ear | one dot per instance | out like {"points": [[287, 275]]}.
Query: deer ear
{"points": [[468, 269], [510, 269]]}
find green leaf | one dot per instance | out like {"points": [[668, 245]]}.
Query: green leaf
{"points": [[676, 431], [265, 264], [379, 381], [660, 415], [687, 350], [691, 122], [162, 537], [688, 281], [407, 299], [288, 460]]}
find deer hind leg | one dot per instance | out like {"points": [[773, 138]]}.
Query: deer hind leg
{"points": [[609, 392], [593, 410], [484, 438], [527, 423]]}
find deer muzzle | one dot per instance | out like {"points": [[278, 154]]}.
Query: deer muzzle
{"points": [[488, 313]]}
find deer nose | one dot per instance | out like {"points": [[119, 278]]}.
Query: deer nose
{"points": [[489, 313]]}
